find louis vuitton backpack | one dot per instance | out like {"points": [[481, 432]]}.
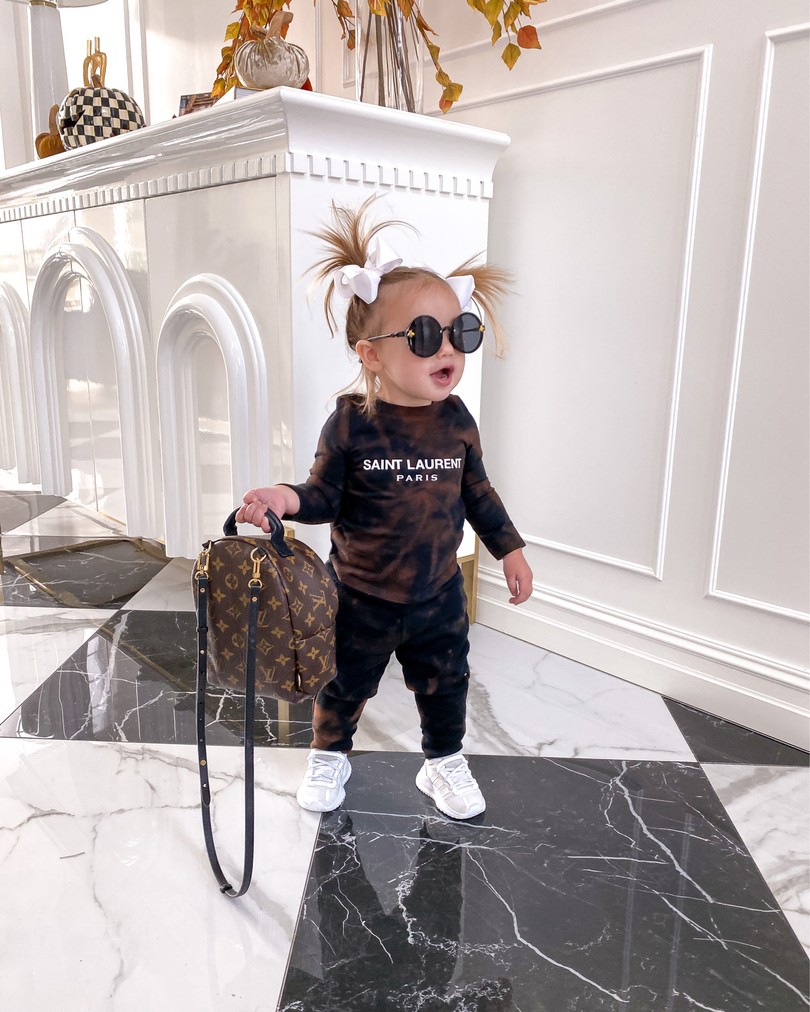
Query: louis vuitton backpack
{"points": [[265, 626]]}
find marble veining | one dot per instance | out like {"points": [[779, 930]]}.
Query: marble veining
{"points": [[770, 807], [134, 680], [587, 885], [99, 573], [525, 701], [36, 641], [104, 876], [610, 871]]}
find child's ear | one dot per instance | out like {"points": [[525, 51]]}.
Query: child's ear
{"points": [[367, 353]]}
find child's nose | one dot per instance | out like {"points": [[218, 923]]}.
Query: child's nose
{"points": [[446, 345]]}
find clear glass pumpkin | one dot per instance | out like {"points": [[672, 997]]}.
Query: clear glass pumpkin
{"points": [[270, 63]]}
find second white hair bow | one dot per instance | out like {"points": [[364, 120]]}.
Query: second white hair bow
{"points": [[365, 281]]}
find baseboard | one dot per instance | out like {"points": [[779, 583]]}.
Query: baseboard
{"points": [[756, 692]]}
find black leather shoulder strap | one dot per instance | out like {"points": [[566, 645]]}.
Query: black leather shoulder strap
{"points": [[250, 707]]}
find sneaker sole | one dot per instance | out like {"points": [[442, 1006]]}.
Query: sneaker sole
{"points": [[314, 807], [426, 787]]}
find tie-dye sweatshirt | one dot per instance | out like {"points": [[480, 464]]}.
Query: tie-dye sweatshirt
{"points": [[396, 488]]}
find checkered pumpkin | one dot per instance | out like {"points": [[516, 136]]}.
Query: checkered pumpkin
{"points": [[94, 113]]}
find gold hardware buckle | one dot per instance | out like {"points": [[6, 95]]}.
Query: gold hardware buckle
{"points": [[256, 555], [203, 560]]}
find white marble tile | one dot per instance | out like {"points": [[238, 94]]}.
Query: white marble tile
{"points": [[170, 590], [70, 518], [34, 642], [770, 807], [104, 876], [525, 701]]}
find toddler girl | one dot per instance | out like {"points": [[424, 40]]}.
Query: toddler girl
{"points": [[397, 470]]}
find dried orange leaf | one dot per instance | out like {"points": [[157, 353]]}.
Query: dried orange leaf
{"points": [[232, 30], [496, 32], [344, 10], [527, 38], [511, 55]]}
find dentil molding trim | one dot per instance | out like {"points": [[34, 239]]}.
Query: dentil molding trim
{"points": [[279, 133]]}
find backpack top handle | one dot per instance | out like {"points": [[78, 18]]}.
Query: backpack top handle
{"points": [[276, 532]]}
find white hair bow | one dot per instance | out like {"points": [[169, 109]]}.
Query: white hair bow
{"points": [[463, 287], [365, 281]]}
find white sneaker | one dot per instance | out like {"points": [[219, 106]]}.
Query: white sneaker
{"points": [[322, 788], [452, 786]]}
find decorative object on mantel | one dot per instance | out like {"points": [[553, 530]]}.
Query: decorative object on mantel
{"points": [[49, 82], [50, 143], [94, 113], [259, 56], [395, 24], [195, 102], [389, 55], [271, 61]]}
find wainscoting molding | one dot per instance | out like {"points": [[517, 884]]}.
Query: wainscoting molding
{"points": [[772, 40], [756, 691], [701, 56]]}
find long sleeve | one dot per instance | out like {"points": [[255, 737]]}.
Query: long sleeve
{"points": [[482, 504]]}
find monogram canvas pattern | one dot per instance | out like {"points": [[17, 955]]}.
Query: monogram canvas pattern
{"points": [[93, 114], [295, 640]]}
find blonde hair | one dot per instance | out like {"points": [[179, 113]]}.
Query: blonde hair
{"points": [[347, 240]]}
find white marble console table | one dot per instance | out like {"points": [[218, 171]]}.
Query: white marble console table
{"points": [[161, 345]]}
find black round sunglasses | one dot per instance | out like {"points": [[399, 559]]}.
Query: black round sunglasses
{"points": [[424, 334]]}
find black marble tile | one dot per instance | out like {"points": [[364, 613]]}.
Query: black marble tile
{"points": [[587, 885], [134, 680], [17, 508], [16, 589], [714, 740], [98, 573]]}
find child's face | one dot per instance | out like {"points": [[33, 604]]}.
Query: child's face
{"points": [[406, 378]]}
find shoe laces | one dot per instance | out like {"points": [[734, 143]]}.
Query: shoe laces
{"points": [[456, 772], [323, 770]]}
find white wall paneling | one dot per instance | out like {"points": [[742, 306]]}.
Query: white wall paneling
{"points": [[648, 430], [765, 473]]}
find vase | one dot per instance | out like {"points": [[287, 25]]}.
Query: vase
{"points": [[388, 57]]}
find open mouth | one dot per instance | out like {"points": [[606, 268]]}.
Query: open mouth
{"points": [[443, 375]]}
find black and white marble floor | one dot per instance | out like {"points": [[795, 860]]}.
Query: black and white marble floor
{"points": [[635, 853]]}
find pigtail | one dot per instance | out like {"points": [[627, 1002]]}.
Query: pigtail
{"points": [[491, 284], [347, 241]]}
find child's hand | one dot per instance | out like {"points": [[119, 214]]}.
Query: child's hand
{"points": [[518, 576], [279, 498]]}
